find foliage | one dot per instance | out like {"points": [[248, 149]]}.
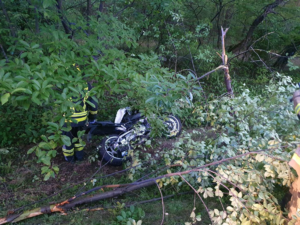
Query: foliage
{"points": [[121, 48], [129, 217], [236, 131]]}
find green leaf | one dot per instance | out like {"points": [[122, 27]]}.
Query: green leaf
{"points": [[47, 3], [120, 218], [24, 55], [37, 83], [46, 160], [91, 104], [44, 138], [47, 176], [73, 89], [31, 150], [36, 101], [66, 140], [52, 153], [62, 121], [55, 169], [44, 145], [24, 43], [96, 64], [18, 90], [4, 98], [132, 208], [53, 125], [123, 214], [150, 99], [45, 169], [35, 46]]}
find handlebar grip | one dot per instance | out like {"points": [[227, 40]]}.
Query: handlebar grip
{"points": [[299, 84]]}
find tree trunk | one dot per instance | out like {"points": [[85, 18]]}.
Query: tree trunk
{"points": [[101, 6], [244, 44], [12, 30], [88, 9], [37, 29], [62, 19], [227, 78]]}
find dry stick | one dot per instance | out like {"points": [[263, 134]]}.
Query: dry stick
{"points": [[162, 204], [65, 205], [214, 70], [261, 60], [227, 78], [198, 196], [268, 52], [138, 203], [251, 46]]}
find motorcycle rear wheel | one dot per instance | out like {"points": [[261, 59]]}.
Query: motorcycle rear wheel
{"points": [[111, 155], [174, 126]]}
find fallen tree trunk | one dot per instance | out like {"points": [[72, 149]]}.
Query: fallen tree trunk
{"points": [[121, 189]]}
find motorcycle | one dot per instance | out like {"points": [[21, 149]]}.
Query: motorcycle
{"points": [[129, 128]]}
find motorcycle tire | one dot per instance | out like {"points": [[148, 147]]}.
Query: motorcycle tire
{"points": [[109, 155], [174, 126]]}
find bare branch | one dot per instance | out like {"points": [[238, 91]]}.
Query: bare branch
{"points": [[162, 203], [227, 78], [4, 53], [199, 197], [214, 70]]}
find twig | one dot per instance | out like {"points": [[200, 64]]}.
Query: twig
{"points": [[261, 60], [214, 70], [227, 78], [162, 203], [199, 197], [4, 53]]}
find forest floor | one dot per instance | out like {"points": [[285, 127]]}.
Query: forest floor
{"points": [[23, 186]]}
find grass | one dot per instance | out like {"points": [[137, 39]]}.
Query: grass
{"points": [[177, 211], [24, 184]]}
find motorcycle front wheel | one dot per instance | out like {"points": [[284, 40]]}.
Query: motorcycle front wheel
{"points": [[173, 126], [113, 155]]}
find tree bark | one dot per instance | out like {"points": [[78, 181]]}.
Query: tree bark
{"points": [[37, 29], [227, 78], [88, 9], [244, 44], [101, 6], [62, 19], [12, 30]]}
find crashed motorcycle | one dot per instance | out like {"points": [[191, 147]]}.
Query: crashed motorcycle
{"points": [[128, 129]]}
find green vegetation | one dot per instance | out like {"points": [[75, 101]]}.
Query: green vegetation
{"points": [[149, 55]]}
